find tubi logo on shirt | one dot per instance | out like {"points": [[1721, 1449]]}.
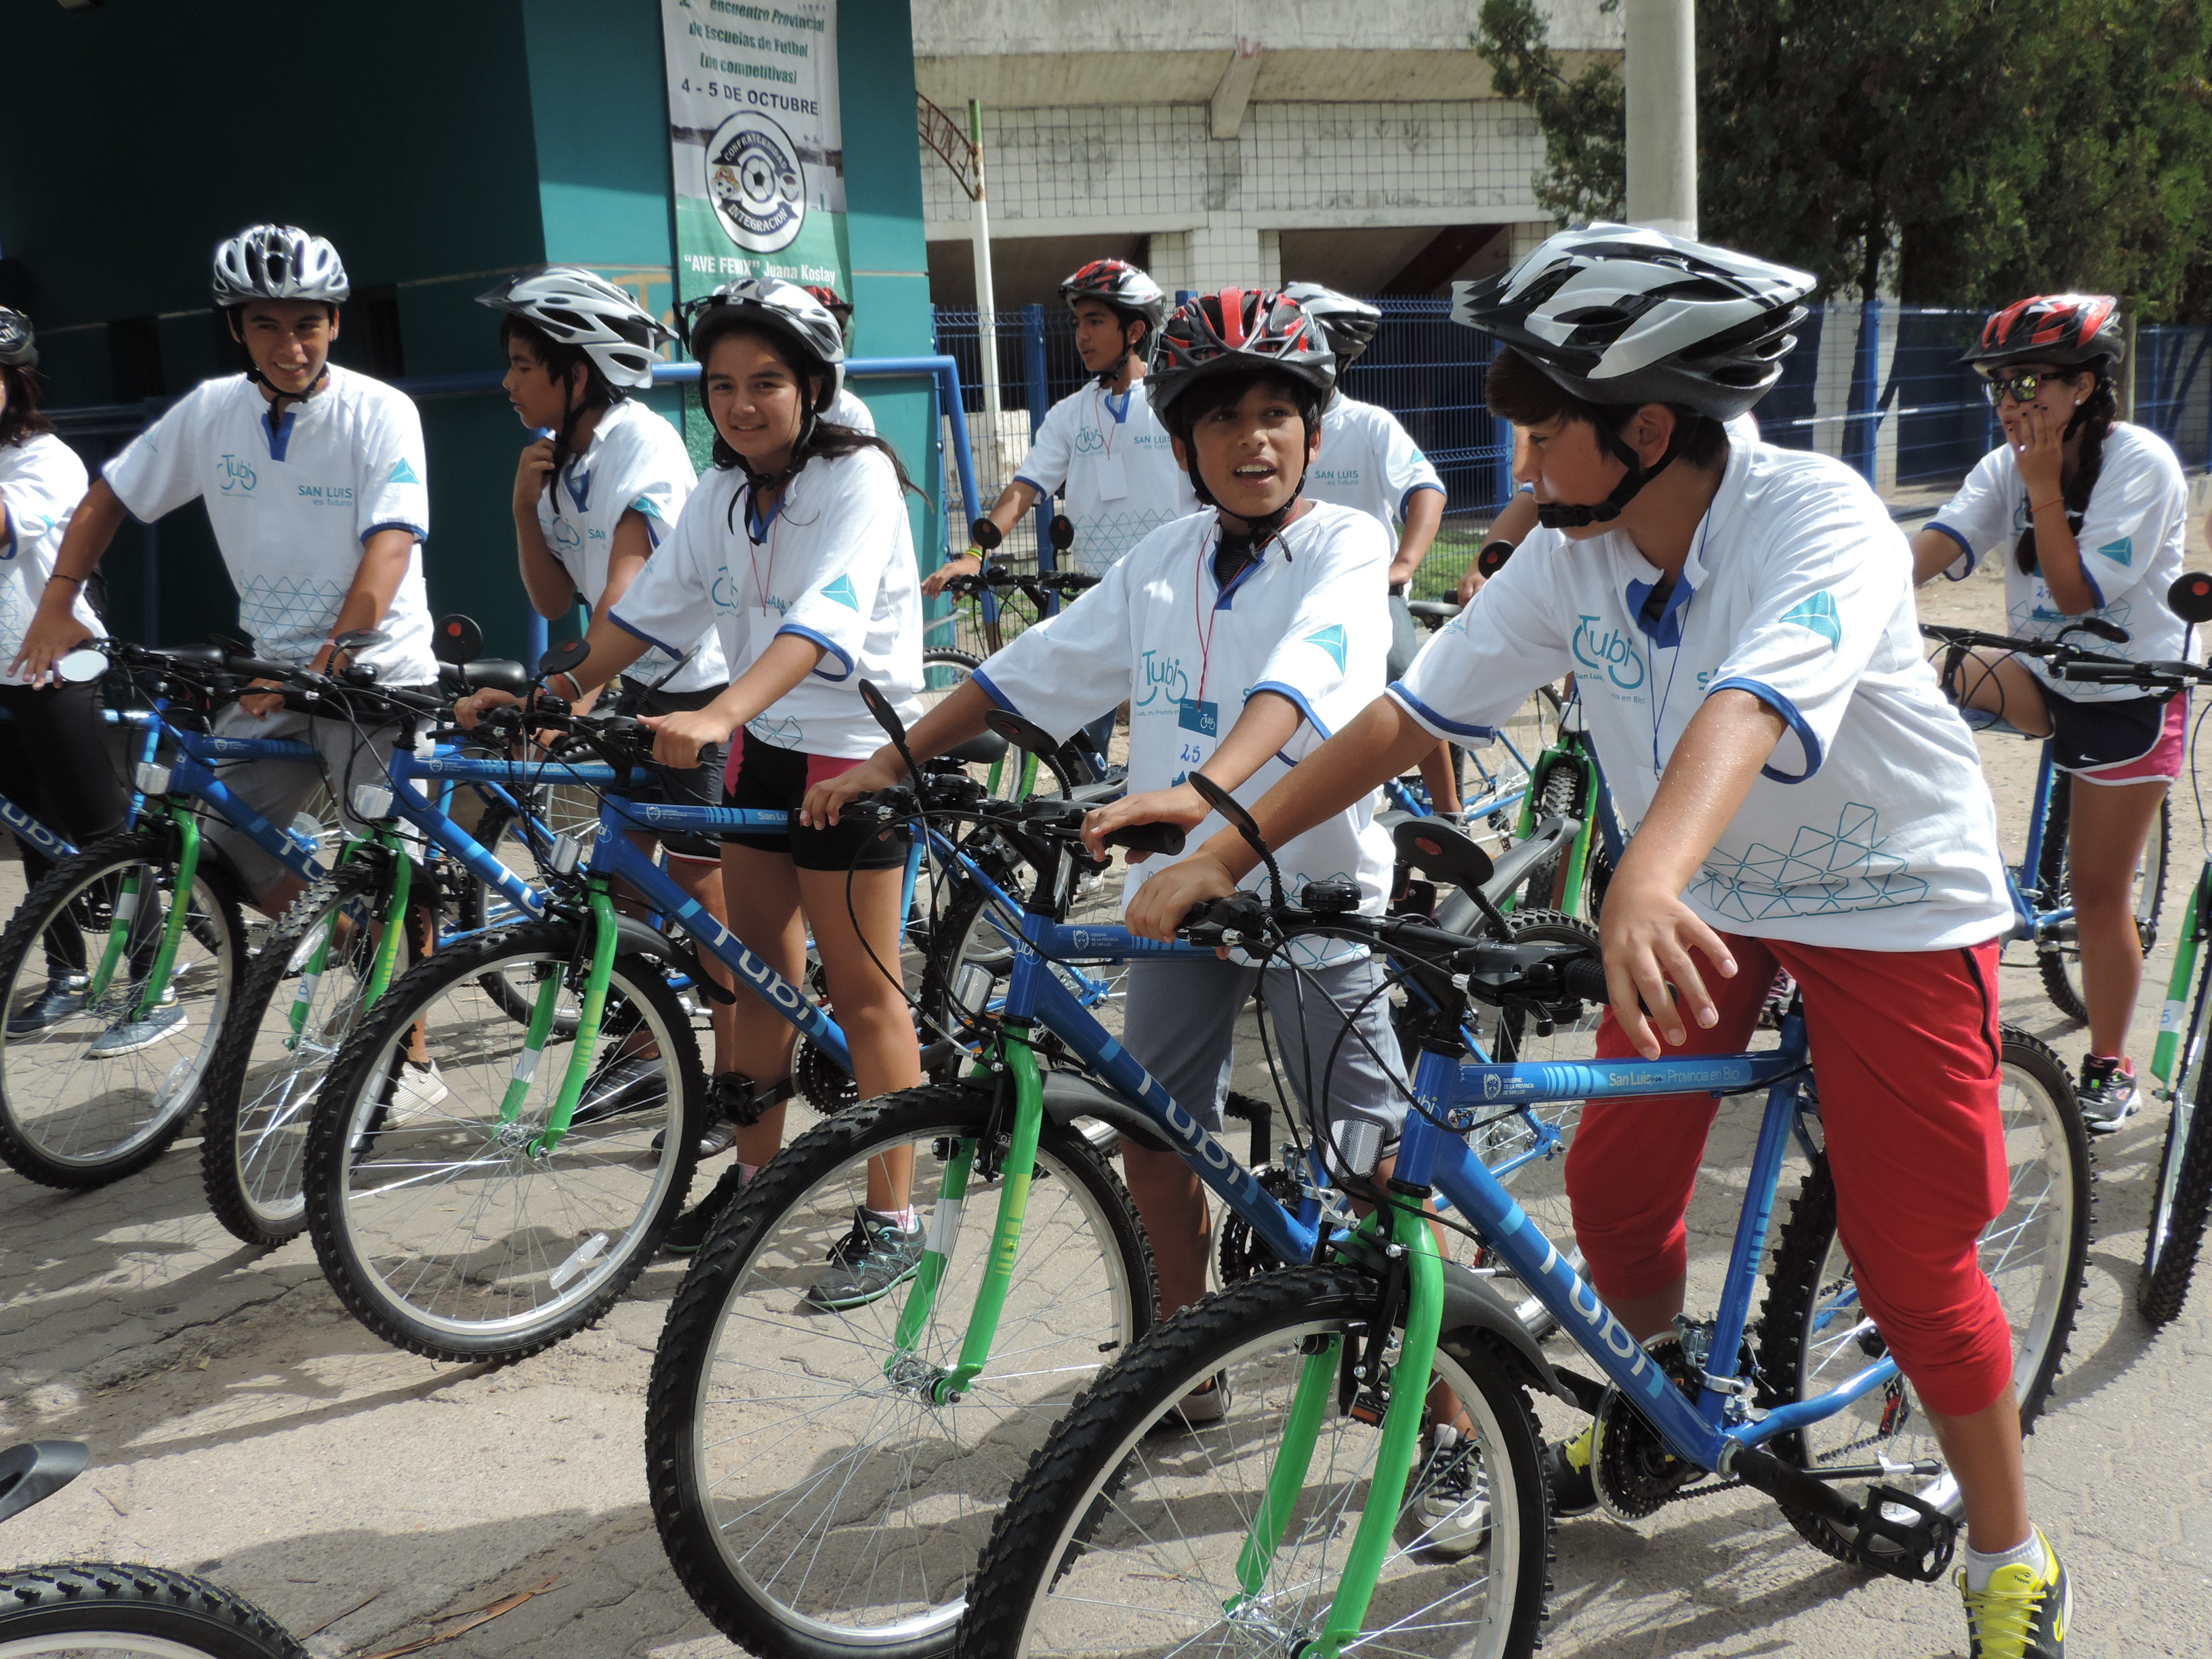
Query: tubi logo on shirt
{"points": [[1164, 674], [1088, 441], [238, 476], [1607, 651]]}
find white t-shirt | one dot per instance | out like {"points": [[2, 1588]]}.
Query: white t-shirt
{"points": [[635, 460], [836, 564], [291, 510], [1111, 463], [2132, 541], [41, 482], [1368, 460], [1871, 828], [1309, 622], [850, 410]]}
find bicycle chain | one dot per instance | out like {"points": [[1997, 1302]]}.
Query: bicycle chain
{"points": [[1686, 1493]]}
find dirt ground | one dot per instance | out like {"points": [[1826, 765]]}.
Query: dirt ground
{"points": [[243, 1426]]}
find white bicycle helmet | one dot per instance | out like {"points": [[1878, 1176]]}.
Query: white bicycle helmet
{"points": [[575, 308], [1348, 324], [19, 346], [785, 310], [1615, 314], [278, 262]]}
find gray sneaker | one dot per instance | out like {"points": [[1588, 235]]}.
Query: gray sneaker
{"points": [[873, 1260], [63, 996], [129, 1036], [1450, 1515], [2108, 1094]]}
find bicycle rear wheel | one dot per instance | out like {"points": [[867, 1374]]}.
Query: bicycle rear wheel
{"points": [[102, 1610], [1126, 1534], [94, 1088], [813, 1504], [437, 1220], [1815, 1332], [2183, 1197]]}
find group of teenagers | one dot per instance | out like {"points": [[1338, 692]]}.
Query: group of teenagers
{"points": [[1813, 804]]}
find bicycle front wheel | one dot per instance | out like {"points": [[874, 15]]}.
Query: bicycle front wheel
{"points": [[300, 999], [439, 1218], [95, 1609], [2183, 1197], [814, 1496], [100, 1067], [1129, 1530], [1815, 1333]]}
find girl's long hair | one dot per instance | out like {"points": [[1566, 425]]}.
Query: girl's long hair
{"points": [[21, 419], [559, 360]]}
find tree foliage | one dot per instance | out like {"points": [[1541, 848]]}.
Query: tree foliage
{"points": [[1959, 151]]}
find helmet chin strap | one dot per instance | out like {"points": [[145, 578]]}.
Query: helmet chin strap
{"points": [[278, 397], [1562, 515]]}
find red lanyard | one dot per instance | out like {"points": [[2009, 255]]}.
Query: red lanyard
{"points": [[752, 550], [1202, 622], [1098, 413]]}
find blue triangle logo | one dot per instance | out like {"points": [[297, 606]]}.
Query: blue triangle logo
{"points": [[1331, 640], [841, 590], [404, 473], [2122, 551], [1818, 614]]}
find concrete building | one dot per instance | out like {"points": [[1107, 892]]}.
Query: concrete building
{"points": [[1356, 143]]}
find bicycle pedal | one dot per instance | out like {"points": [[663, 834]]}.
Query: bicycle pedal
{"points": [[1369, 1405], [1919, 1550]]}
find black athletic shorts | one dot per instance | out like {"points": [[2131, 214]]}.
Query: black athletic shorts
{"points": [[2086, 736], [765, 779]]}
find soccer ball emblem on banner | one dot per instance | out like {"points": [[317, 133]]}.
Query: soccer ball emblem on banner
{"points": [[756, 183]]}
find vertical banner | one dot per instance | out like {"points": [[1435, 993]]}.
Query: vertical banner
{"points": [[759, 151]]}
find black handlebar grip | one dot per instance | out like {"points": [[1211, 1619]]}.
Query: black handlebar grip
{"points": [[985, 535], [1147, 838], [1585, 978]]}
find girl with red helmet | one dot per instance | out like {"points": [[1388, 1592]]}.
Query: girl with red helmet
{"points": [[2093, 510]]}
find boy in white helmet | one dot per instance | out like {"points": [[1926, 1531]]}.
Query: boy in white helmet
{"points": [[314, 479], [1749, 657]]}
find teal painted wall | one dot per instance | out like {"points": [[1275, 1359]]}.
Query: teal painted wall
{"points": [[437, 145]]}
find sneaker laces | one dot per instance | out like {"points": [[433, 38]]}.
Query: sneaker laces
{"points": [[2002, 1618]]}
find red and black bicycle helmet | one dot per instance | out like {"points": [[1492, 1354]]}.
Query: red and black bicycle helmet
{"points": [[1118, 283], [2066, 330], [1238, 331]]}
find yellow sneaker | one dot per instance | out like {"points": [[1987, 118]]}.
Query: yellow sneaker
{"points": [[1567, 1467], [2023, 1614]]}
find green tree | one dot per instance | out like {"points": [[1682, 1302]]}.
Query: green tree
{"points": [[1965, 153]]}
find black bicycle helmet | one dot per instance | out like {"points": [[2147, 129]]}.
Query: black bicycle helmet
{"points": [[19, 344]]}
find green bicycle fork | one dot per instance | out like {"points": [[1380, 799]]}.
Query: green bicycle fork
{"points": [[120, 926], [2174, 1016], [385, 968], [1394, 1457], [604, 938], [1017, 1170]]}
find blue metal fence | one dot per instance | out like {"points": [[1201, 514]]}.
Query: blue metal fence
{"points": [[1880, 386]]}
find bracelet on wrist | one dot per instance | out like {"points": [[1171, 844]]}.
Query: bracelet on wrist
{"points": [[58, 577], [2056, 501]]}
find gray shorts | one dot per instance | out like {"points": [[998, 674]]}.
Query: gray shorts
{"points": [[280, 789], [1180, 1023], [1405, 639]]}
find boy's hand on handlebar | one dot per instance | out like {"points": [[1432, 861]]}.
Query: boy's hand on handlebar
{"points": [[882, 770], [679, 737], [263, 704], [1160, 905], [471, 710], [1649, 934], [1470, 582], [966, 565], [1179, 805]]}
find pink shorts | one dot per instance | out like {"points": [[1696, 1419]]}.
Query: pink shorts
{"points": [[2161, 763]]}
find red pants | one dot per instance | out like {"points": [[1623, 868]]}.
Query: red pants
{"points": [[1905, 1055]]}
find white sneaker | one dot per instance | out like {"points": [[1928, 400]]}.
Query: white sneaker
{"points": [[1451, 1508], [420, 1086]]}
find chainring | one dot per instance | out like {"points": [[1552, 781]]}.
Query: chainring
{"points": [[824, 1085], [1634, 1473], [1243, 1253]]}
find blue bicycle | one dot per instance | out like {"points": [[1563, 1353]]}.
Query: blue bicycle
{"points": [[1324, 1506]]}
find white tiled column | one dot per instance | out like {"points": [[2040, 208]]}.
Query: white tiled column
{"points": [[1230, 255]]}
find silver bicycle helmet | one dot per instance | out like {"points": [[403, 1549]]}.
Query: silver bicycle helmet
{"points": [[1615, 314], [278, 262], [19, 345], [1348, 324], [575, 308], [785, 310]]}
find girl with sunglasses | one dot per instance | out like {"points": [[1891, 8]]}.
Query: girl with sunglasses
{"points": [[2093, 511]]}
